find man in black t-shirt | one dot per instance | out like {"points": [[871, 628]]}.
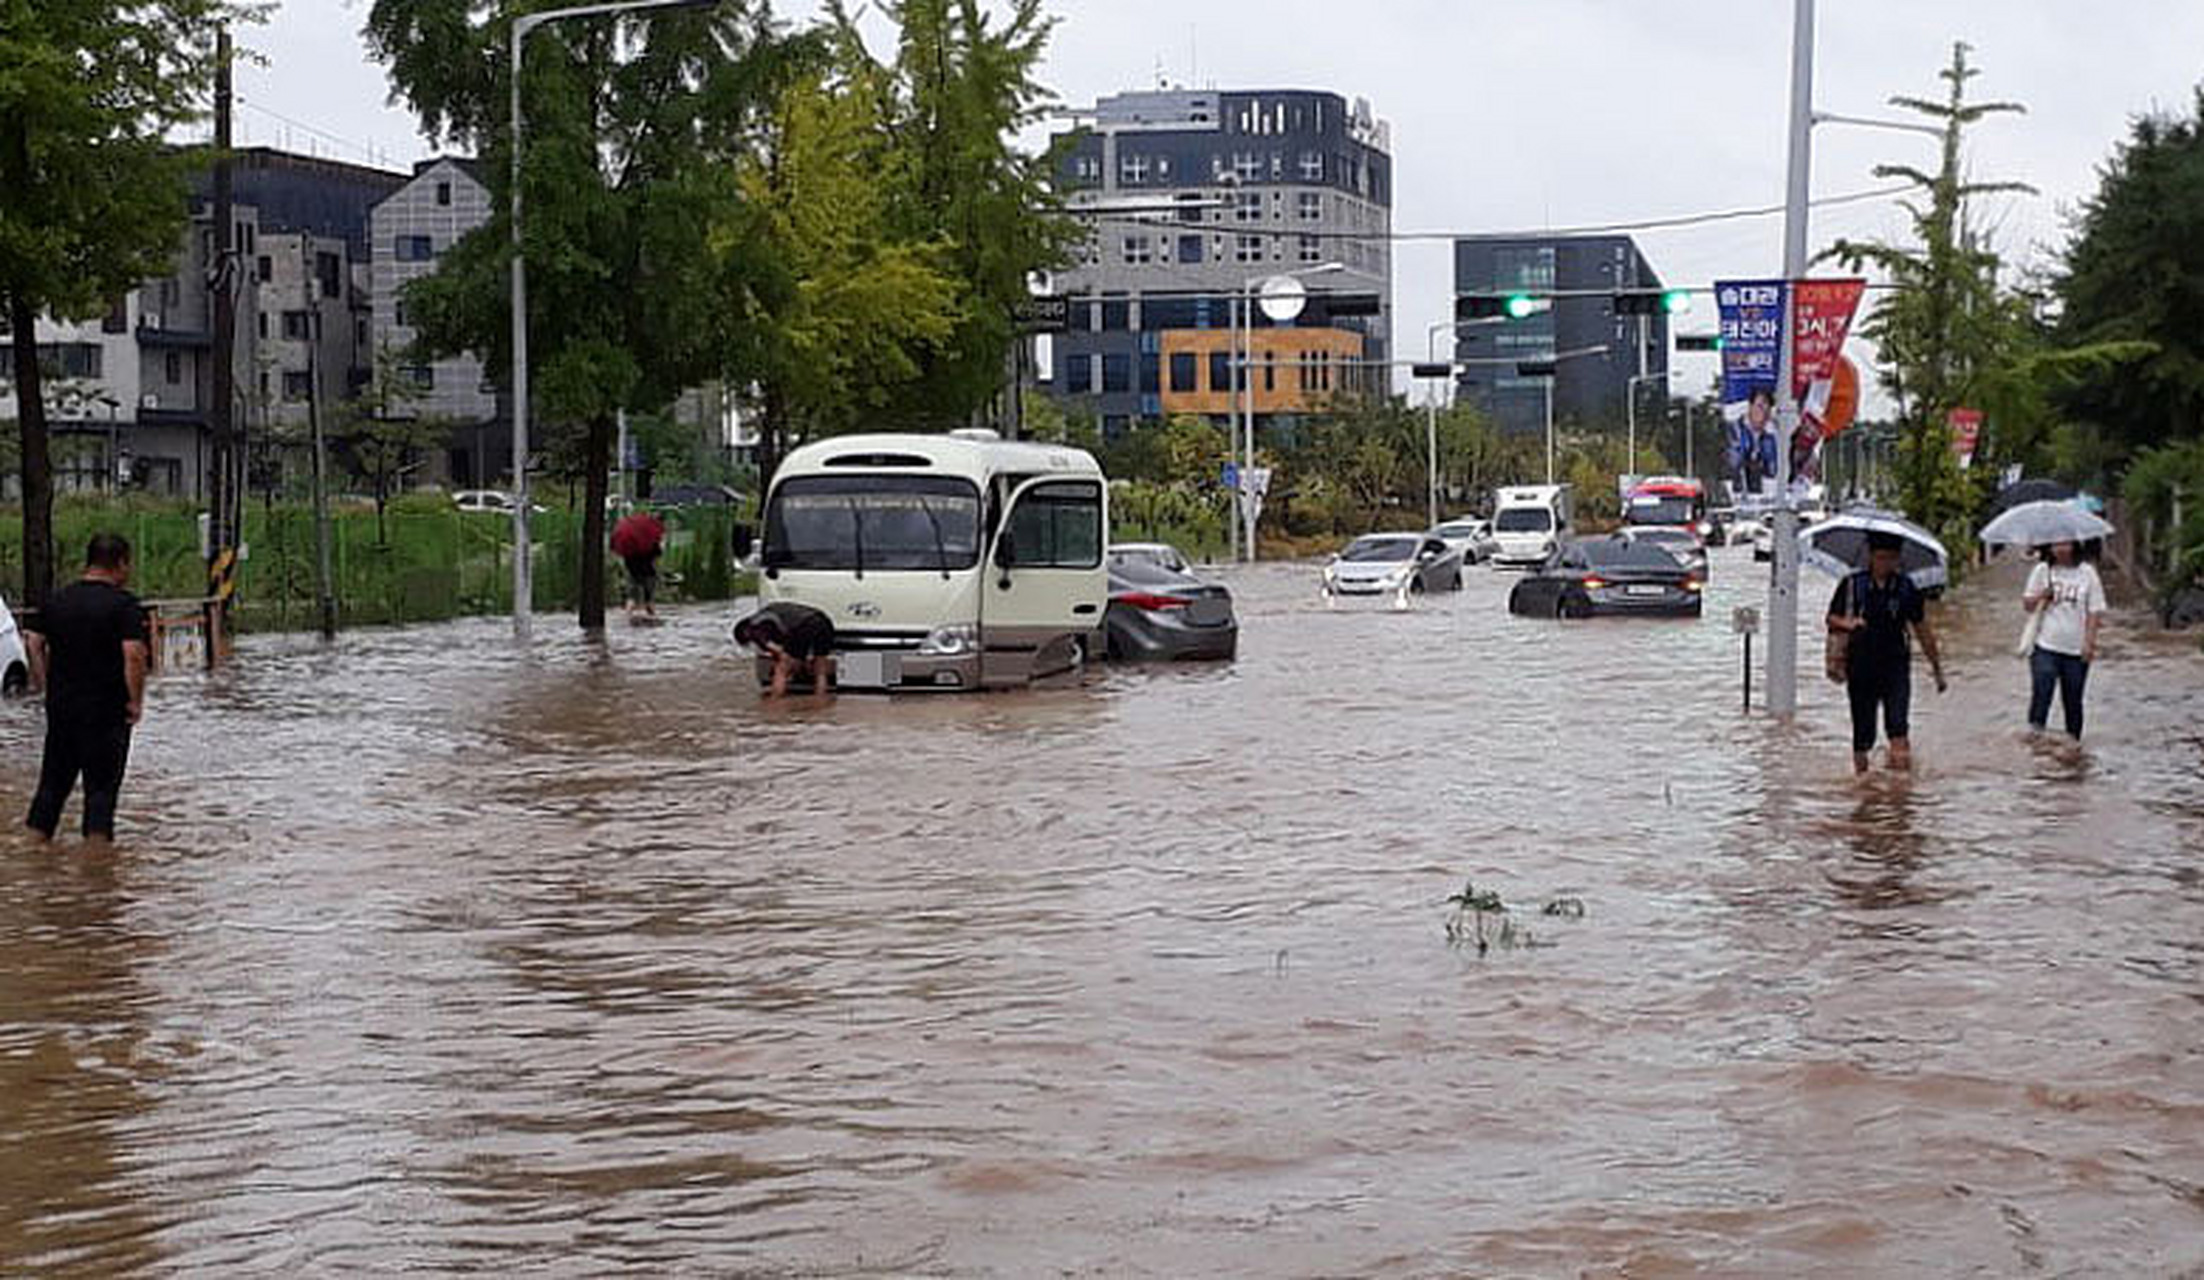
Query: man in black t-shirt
{"points": [[1876, 607], [88, 643], [797, 638]]}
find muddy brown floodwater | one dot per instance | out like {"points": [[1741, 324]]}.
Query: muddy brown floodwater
{"points": [[426, 954]]}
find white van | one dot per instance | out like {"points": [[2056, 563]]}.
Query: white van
{"points": [[1529, 522], [956, 561]]}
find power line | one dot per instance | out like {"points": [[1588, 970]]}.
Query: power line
{"points": [[1672, 223]]}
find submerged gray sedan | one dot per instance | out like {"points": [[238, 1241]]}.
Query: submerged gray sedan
{"points": [[1404, 564]]}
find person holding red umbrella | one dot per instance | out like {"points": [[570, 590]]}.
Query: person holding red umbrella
{"points": [[637, 539]]}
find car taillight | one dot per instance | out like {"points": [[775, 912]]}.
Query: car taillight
{"points": [[1593, 584], [1148, 602]]}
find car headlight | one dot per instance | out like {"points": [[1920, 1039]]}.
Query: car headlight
{"points": [[950, 641], [1399, 577]]}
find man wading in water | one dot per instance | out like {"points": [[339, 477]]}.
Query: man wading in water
{"points": [[1875, 607], [88, 645]]}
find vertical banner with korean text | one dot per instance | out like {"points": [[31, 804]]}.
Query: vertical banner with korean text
{"points": [[1751, 319], [1822, 312]]}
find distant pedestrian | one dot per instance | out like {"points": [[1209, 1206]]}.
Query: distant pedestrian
{"points": [[88, 645], [796, 638], [638, 539], [2068, 598], [1875, 608]]}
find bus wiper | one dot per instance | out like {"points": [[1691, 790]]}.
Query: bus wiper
{"points": [[941, 546], [857, 521]]}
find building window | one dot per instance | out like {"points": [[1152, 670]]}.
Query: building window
{"points": [[1132, 170], [262, 318], [263, 384], [398, 314], [1087, 169], [1277, 165], [1163, 168], [297, 384], [1312, 249], [1311, 206], [1117, 372], [414, 249], [443, 193], [1139, 252], [172, 294], [1189, 248], [297, 325], [359, 331], [1151, 378], [423, 376], [1247, 206], [69, 359], [1270, 371], [264, 268], [1116, 315], [173, 368], [329, 270], [1250, 249], [1078, 374], [1247, 166], [1183, 371], [1312, 166], [117, 319], [1220, 371]]}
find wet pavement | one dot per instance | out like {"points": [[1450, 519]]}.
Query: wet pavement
{"points": [[425, 954]]}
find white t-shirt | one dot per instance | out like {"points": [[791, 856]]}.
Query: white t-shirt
{"points": [[2076, 593]]}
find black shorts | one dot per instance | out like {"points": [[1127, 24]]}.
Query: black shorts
{"points": [[643, 576], [1889, 687], [811, 637]]}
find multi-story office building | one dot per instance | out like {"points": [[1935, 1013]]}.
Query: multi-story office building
{"points": [[1589, 391], [1188, 196]]}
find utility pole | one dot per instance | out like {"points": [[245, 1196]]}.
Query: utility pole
{"points": [[222, 276], [325, 590], [1782, 679]]}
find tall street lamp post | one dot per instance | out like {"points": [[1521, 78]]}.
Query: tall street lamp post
{"points": [[523, 605], [1432, 369], [1246, 331]]}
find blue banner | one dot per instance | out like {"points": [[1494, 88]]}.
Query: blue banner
{"points": [[1752, 354]]}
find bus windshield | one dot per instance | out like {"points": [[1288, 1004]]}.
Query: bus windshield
{"points": [[1655, 508], [861, 522]]}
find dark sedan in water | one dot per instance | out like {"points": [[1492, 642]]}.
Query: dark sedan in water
{"points": [[1609, 576], [1159, 611]]}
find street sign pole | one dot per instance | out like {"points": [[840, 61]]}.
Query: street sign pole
{"points": [[1783, 583]]}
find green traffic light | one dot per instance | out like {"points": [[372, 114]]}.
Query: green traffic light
{"points": [[1676, 301], [1520, 305]]}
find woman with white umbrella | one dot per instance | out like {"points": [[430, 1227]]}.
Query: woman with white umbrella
{"points": [[2065, 600]]}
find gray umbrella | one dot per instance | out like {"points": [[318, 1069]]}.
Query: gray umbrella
{"points": [[2037, 524], [1838, 545]]}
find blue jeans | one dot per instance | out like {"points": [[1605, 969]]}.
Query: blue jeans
{"points": [[2069, 674]]}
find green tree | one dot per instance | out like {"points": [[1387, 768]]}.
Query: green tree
{"points": [[2133, 273], [1943, 325], [854, 310], [92, 194], [959, 90], [383, 435], [633, 124]]}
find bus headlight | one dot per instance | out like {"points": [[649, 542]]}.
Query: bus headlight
{"points": [[952, 641]]}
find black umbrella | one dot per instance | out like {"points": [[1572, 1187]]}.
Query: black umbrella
{"points": [[2014, 494]]}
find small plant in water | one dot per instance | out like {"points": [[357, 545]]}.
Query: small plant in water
{"points": [[1482, 920]]}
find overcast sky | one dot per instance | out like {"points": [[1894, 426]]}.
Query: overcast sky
{"points": [[1522, 114]]}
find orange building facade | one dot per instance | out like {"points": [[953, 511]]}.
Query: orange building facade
{"points": [[1293, 370]]}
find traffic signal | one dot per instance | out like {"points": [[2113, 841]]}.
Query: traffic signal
{"points": [[1491, 306], [1534, 368], [1698, 342], [1652, 302]]}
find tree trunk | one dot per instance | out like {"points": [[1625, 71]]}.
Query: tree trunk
{"points": [[38, 475], [596, 461]]}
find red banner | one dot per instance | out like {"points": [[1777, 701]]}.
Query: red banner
{"points": [[1966, 432], [1821, 316]]}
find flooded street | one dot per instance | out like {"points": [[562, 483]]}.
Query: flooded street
{"points": [[427, 954]]}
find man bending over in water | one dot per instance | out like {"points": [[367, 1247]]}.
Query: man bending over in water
{"points": [[796, 637]]}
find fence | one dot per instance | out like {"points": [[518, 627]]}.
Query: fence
{"points": [[420, 563]]}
